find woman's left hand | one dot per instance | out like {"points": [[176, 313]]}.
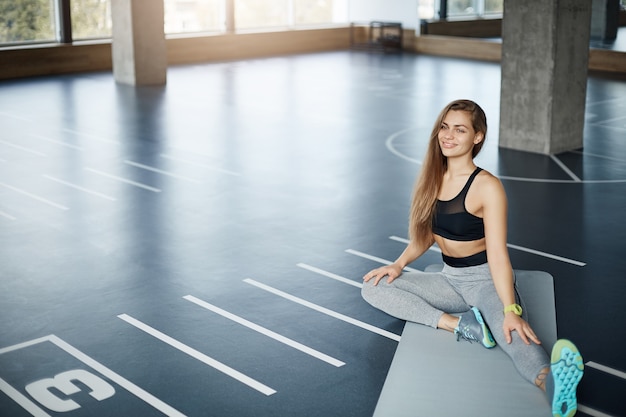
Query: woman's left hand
{"points": [[513, 322]]}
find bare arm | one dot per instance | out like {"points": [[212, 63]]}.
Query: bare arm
{"points": [[494, 216], [393, 271]]}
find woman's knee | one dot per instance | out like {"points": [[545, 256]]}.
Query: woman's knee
{"points": [[367, 290]]}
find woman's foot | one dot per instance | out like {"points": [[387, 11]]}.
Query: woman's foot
{"points": [[566, 370], [472, 328]]}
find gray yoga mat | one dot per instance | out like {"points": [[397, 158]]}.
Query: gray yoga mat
{"points": [[433, 375]]}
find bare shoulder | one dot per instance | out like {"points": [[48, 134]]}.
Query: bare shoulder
{"points": [[490, 185]]}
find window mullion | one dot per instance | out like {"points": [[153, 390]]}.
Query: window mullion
{"points": [[63, 21]]}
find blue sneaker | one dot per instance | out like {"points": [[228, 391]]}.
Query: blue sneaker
{"points": [[472, 328], [567, 370]]}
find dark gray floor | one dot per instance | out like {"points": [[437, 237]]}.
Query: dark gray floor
{"points": [[267, 188]]}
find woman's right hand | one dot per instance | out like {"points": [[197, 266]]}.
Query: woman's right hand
{"points": [[392, 272]]}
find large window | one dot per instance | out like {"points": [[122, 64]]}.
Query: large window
{"points": [[261, 13], [310, 12], [24, 21], [432, 9], [183, 16], [27, 21], [91, 19]]}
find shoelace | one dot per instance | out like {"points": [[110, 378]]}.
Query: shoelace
{"points": [[464, 332]]}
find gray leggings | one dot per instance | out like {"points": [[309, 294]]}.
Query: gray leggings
{"points": [[423, 297]]}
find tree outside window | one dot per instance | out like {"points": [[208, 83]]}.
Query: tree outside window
{"points": [[27, 21], [91, 19], [23, 21]]}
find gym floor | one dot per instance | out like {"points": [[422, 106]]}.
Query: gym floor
{"points": [[197, 249]]}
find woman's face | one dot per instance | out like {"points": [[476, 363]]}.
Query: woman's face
{"points": [[456, 134]]}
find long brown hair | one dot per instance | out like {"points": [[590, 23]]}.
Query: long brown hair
{"points": [[428, 184]]}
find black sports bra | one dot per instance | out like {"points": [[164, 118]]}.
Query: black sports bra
{"points": [[451, 219]]}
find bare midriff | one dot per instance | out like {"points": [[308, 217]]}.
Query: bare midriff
{"points": [[460, 249]]}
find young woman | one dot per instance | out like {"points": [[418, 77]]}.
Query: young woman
{"points": [[463, 209]]}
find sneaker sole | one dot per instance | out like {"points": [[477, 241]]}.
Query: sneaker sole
{"points": [[567, 370], [487, 341]]}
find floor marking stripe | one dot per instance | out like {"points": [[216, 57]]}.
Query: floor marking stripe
{"points": [[547, 255], [324, 310], [58, 142], [6, 215], [22, 148], [34, 197], [551, 181], [87, 360], [22, 400], [24, 344], [127, 181], [520, 248], [15, 116], [433, 248], [94, 137], [160, 171], [266, 332], [376, 259], [565, 168], [330, 275], [186, 161], [69, 184], [199, 356], [595, 155], [390, 146], [118, 379], [592, 412], [606, 369]]}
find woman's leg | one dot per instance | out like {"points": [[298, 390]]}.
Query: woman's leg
{"points": [[530, 360], [420, 297]]}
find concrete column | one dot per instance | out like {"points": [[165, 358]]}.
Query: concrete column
{"points": [[545, 56], [139, 51], [605, 20], [230, 16]]}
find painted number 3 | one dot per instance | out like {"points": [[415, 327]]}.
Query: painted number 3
{"points": [[64, 382]]}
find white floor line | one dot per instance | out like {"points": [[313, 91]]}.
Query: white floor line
{"points": [[547, 255], [22, 148], [186, 161], [21, 400], [592, 412], [34, 197], [199, 355], [58, 142], [92, 363], [86, 190], [266, 332], [324, 310], [15, 116], [606, 369], [94, 137], [7, 215], [118, 379], [433, 248], [376, 259], [391, 147], [330, 275], [595, 155], [520, 248], [124, 180], [159, 171], [565, 168]]}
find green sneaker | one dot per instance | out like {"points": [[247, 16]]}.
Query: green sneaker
{"points": [[567, 371], [472, 328]]}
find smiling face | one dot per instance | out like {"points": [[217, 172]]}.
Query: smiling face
{"points": [[456, 134]]}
